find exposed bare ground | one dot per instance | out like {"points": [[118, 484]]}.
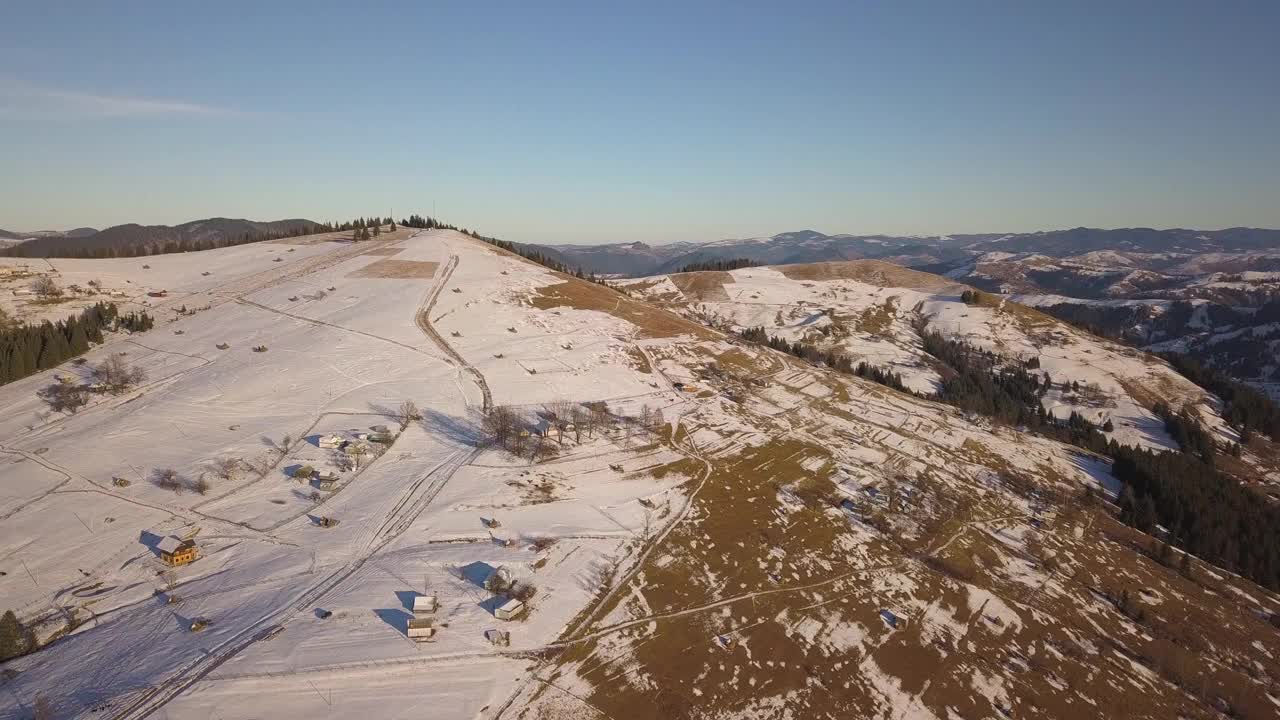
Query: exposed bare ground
{"points": [[873, 272], [396, 269], [651, 321], [386, 251], [705, 286]]}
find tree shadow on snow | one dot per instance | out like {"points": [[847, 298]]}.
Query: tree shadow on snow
{"points": [[406, 598], [492, 603], [462, 430]]}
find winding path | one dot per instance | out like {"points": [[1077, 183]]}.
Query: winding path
{"points": [[424, 322]]}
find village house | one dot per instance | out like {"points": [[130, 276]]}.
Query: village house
{"points": [[509, 610], [421, 628], [330, 442], [326, 480], [175, 551], [356, 448], [501, 638]]}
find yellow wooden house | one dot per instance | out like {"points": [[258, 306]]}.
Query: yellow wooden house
{"points": [[176, 551]]}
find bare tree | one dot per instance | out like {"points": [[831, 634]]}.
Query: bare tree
{"points": [[167, 479], [599, 414], [61, 397], [45, 287], [116, 375], [501, 425], [580, 418], [522, 590], [544, 450], [558, 413], [226, 467], [408, 413]]}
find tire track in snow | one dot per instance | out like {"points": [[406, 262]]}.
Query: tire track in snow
{"points": [[424, 322]]}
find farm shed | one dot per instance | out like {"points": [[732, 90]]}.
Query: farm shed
{"points": [[509, 610], [421, 628]]}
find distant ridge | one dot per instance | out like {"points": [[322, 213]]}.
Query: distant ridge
{"points": [[939, 253], [132, 239]]}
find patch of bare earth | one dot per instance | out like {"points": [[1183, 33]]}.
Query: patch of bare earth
{"points": [[872, 272], [651, 321], [385, 252], [396, 269], [707, 286]]}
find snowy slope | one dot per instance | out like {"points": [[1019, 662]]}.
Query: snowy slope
{"points": [[784, 541], [344, 348], [874, 312]]}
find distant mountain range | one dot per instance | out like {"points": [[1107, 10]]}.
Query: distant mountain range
{"points": [[134, 239], [20, 236], [942, 253]]}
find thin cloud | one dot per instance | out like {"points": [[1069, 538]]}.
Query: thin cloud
{"points": [[21, 97]]}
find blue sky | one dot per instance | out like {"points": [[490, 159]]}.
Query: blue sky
{"points": [[581, 122]]}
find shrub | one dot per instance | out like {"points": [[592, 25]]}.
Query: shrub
{"points": [[522, 590], [167, 479]]}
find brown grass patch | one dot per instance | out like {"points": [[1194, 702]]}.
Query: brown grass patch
{"points": [[878, 319], [742, 363], [641, 362], [703, 286], [872, 272], [651, 321], [386, 251], [396, 269]]}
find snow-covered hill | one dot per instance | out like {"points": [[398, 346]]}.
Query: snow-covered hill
{"points": [[733, 533]]}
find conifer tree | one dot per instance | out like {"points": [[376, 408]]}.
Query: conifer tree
{"points": [[15, 639]]}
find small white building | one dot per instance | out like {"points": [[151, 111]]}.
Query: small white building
{"points": [[330, 441], [501, 638], [509, 610], [424, 604]]}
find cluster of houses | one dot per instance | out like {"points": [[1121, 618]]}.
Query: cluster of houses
{"points": [[355, 444]]}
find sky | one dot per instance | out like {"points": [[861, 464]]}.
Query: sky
{"points": [[600, 122]]}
